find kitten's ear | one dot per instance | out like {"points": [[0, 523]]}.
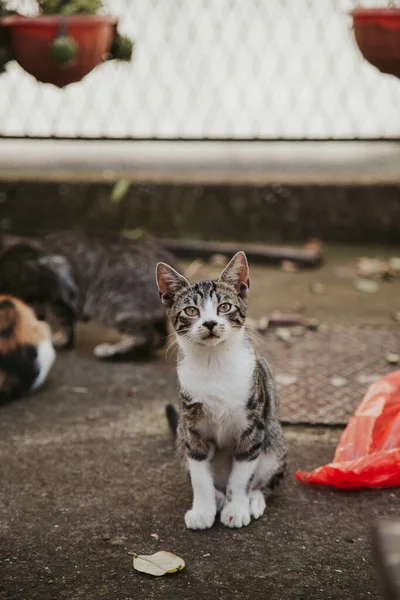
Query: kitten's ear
{"points": [[169, 282], [236, 273]]}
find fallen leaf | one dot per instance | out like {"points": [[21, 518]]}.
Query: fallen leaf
{"points": [[372, 267], [288, 266], [119, 191], [283, 334], [392, 358], [317, 288], [366, 286], [157, 564], [135, 234]]}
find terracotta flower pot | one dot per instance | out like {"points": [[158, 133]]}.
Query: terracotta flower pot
{"points": [[31, 39], [377, 33]]}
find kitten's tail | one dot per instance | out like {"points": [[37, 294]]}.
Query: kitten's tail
{"points": [[172, 418]]}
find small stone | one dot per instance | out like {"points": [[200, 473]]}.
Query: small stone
{"points": [[396, 316], [338, 381], [155, 536], [206, 555], [392, 358]]}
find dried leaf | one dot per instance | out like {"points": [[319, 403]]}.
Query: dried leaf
{"points": [[158, 564], [372, 267], [119, 191], [367, 286], [392, 358]]}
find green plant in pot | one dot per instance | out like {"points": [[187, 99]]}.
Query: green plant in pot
{"points": [[64, 42]]}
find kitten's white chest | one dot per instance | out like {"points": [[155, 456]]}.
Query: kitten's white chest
{"points": [[222, 381]]}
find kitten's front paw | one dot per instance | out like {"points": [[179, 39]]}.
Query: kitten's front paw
{"points": [[196, 519], [257, 503], [104, 351], [236, 514]]}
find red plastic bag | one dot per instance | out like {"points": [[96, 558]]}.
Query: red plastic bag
{"points": [[368, 454]]}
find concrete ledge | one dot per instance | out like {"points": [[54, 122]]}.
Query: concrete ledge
{"points": [[202, 163]]}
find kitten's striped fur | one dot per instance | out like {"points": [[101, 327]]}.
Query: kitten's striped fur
{"points": [[26, 352], [228, 431]]}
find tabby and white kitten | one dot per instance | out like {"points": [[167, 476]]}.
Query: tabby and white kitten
{"points": [[228, 430], [26, 351]]}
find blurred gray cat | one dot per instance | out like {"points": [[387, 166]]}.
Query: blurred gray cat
{"points": [[70, 276], [228, 429]]}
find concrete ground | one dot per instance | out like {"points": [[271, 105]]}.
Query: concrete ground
{"points": [[88, 474]]}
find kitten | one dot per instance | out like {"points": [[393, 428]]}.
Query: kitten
{"points": [[26, 351], [228, 430], [71, 276]]}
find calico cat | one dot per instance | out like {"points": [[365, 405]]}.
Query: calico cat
{"points": [[71, 276], [26, 351], [228, 430]]}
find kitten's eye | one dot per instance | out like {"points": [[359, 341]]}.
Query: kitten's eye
{"points": [[224, 308], [192, 311]]}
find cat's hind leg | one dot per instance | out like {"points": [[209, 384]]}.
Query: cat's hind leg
{"points": [[123, 348]]}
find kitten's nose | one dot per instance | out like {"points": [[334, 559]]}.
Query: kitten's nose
{"points": [[210, 324]]}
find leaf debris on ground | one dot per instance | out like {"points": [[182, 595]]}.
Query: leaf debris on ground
{"points": [[366, 286], [392, 358], [158, 564], [119, 191]]}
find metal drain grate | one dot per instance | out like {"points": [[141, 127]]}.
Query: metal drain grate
{"points": [[323, 375]]}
